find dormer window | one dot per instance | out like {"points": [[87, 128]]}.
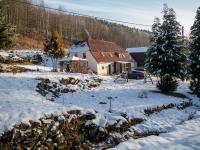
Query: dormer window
{"points": [[118, 55]]}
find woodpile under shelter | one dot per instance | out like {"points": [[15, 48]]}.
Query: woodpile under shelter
{"points": [[74, 65]]}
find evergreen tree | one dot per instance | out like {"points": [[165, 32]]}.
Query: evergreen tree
{"points": [[154, 50], [195, 55], [54, 49], [5, 34], [173, 59], [165, 58]]}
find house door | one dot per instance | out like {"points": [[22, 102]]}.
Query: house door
{"points": [[115, 67], [122, 67], [109, 69]]}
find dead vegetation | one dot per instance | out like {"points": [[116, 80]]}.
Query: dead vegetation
{"points": [[25, 42], [181, 106], [54, 90], [75, 130], [12, 68], [66, 131]]}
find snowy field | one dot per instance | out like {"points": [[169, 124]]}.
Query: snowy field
{"points": [[21, 103], [182, 137]]}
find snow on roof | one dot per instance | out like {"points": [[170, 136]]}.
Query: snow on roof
{"points": [[123, 62], [70, 58], [137, 50], [81, 47]]}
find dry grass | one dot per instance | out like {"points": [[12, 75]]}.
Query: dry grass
{"points": [[24, 42]]}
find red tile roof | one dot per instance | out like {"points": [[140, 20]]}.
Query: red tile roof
{"points": [[106, 57], [104, 46], [104, 51]]}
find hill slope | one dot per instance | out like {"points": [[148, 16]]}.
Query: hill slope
{"points": [[35, 23]]}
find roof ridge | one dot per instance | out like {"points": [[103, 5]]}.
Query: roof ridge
{"points": [[102, 41]]}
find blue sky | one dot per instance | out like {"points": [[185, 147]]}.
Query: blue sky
{"points": [[139, 11]]}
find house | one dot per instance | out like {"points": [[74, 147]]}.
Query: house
{"points": [[103, 57], [139, 55]]}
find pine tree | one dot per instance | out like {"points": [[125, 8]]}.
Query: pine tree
{"points": [[54, 49], [6, 35], [154, 50], [195, 55], [173, 59], [165, 58]]}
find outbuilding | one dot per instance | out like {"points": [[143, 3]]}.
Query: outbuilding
{"points": [[139, 55]]}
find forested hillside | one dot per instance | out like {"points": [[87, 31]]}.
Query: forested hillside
{"points": [[33, 24]]}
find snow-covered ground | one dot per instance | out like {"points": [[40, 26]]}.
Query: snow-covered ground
{"points": [[182, 137], [27, 54], [19, 102]]}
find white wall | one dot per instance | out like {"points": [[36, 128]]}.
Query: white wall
{"points": [[92, 64], [104, 71]]}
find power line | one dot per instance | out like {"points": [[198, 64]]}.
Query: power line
{"points": [[83, 15]]}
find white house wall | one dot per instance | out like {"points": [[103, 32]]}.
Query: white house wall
{"points": [[103, 68], [92, 64]]}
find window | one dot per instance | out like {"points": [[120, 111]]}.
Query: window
{"points": [[84, 55], [83, 45], [76, 55], [102, 67], [117, 54]]}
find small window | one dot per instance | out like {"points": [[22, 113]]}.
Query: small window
{"points": [[102, 67], [117, 54], [83, 45], [76, 55], [84, 55]]}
